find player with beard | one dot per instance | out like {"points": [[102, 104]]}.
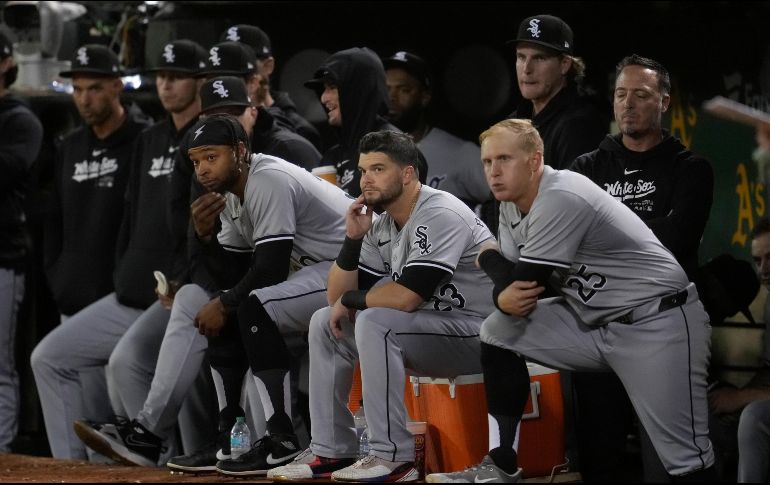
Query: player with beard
{"points": [[426, 319], [453, 163]]}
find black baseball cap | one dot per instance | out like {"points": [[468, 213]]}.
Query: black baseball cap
{"points": [[545, 30], [95, 59], [321, 76], [252, 36], [222, 91], [230, 59], [411, 63], [183, 56], [6, 46]]}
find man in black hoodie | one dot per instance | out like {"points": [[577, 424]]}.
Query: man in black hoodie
{"points": [[549, 75], [671, 189], [84, 341], [351, 87], [20, 136]]}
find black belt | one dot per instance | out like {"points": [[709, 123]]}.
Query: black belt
{"points": [[666, 303]]}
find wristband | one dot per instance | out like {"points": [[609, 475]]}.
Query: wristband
{"points": [[349, 254], [355, 299]]}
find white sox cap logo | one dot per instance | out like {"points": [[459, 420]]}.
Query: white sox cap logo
{"points": [[214, 57], [83, 56], [168, 53], [400, 55], [219, 89], [534, 28], [232, 34]]}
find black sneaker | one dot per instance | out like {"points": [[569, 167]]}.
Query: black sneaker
{"points": [[124, 441], [205, 459], [269, 452]]}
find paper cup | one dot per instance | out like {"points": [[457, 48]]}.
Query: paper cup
{"points": [[327, 172]]}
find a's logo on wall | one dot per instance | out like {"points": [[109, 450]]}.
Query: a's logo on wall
{"points": [[219, 89], [168, 53], [214, 57], [232, 34], [83, 56], [422, 240], [534, 28]]}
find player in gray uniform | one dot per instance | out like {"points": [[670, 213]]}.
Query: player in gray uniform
{"points": [[427, 319], [292, 223], [626, 306]]}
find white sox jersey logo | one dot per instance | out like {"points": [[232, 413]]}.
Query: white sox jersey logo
{"points": [[94, 169], [422, 240], [637, 195], [162, 165]]}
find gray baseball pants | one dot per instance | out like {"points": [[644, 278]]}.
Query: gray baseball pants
{"points": [[155, 374], [11, 294], [386, 342], [661, 359], [82, 343]]}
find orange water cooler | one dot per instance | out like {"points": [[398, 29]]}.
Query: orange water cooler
{"points": [[458, 427]]}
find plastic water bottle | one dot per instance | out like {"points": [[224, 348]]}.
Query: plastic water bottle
{"points": [[359, 418], [240, 438], [363, 444]]}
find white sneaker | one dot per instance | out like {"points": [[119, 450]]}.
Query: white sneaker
{"points": [[484, 472], [307, 466], [375, 469]]}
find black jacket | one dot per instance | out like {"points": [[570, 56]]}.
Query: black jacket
{"points": [[571, 124], [360, 78], [668, 187], [271, 138], [20, 137], [82, 225], [299, 125], [146, 240]]}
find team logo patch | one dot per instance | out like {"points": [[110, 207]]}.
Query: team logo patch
{"points": [[214, 56], [422, 239], [198, 132], [83, 56], [168, 53], [534, 28]]}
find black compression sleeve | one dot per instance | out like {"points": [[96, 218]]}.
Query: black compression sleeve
{"points": [[269, 266], [423, 280], [349, 254], [497, 267]]}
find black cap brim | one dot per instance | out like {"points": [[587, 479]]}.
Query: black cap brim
{"points": [[225, 104]]}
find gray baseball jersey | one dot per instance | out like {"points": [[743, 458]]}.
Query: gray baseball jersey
{"points": [[442, 232], [607, 260], [644, 320], [284, 201]]}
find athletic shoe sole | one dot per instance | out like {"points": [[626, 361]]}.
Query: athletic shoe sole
{"points": [[192, 469], [110, 448]]}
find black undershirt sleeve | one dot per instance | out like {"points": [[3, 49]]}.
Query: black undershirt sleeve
{"points": [[423, 280], [503, 272], [269, 266]]}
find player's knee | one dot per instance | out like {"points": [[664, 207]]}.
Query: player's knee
{"points": [[373, 323], [754, 421], [47, 354], [493, 327], [262, 339], [188, 300], [319, 332]]}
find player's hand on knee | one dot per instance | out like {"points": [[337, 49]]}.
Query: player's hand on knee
{"points": [[339, 314], [211, 318], [520, 298]]}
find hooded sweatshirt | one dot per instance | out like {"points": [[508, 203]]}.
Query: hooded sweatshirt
{"points": [[20, 136], [82, 226], [668, 187], [360, 79]]}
